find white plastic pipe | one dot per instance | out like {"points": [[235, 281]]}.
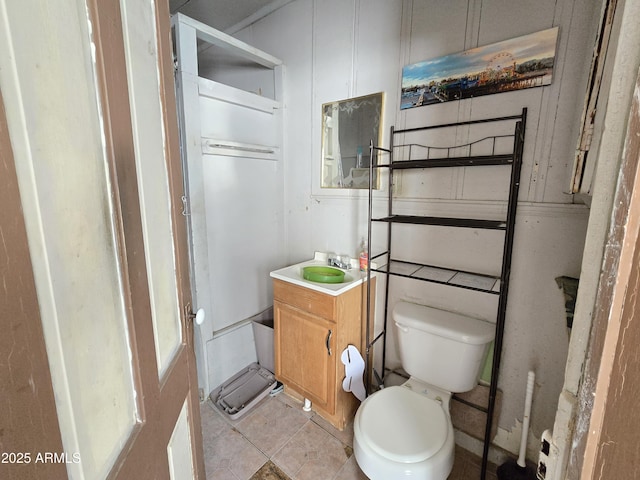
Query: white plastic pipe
{"points": [[525, 420]]}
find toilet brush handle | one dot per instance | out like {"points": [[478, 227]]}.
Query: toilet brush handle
{"points": [[525, 420]]}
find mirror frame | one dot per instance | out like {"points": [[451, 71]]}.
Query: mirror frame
{"points": [[361, 157]]}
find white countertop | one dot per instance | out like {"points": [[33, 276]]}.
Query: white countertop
{"points": [[293, 274]]}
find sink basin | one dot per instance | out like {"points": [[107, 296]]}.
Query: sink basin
{"points": [[321, 274], [295, 274]]}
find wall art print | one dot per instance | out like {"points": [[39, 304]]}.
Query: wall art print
{"points": [[515, 64]]}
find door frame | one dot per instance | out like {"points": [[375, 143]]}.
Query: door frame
{"points": [[606, 445]]}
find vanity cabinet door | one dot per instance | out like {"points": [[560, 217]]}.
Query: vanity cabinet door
{"points": [[305, 354]]}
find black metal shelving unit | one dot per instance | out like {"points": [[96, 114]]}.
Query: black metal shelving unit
{"points": [[441, 157]]}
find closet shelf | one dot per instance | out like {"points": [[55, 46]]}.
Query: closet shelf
{"points": [[444, 221], [445, 276]]}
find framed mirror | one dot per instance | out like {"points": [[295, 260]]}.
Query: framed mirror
{"points": [[347, 128]]}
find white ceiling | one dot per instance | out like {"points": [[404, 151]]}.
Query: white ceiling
{"points": [[226, 15]]}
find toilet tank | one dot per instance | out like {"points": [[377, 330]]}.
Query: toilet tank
{"points": [[442, 348]]}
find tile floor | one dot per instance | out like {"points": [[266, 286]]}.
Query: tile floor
{"points": [[277, 440]]}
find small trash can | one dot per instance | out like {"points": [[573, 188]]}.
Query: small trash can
{"points": [[263, 336]]}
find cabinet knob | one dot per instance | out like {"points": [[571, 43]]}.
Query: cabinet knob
{"points": [[329, 342]]}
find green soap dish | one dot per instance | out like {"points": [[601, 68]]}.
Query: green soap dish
{"points": [[323, 274]]}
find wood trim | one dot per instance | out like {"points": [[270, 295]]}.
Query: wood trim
{"points": [[28, 417], [180, 234], [143, 456], [118, 131], [610, 447], [591, 99], [606, 397]]}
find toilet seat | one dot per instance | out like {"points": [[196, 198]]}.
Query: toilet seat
{"points": [[402, 425]]}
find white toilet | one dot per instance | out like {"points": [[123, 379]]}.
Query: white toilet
{"points": [[406, 431]]}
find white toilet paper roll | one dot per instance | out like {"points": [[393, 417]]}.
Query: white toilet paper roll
{"points": [[353, 369]]}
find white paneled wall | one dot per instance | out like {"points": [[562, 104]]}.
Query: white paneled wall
{"points": [[338, 49]]}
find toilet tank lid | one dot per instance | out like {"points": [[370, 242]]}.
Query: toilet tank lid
{"points": [[443, 323]]}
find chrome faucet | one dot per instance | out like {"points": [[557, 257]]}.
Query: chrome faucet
{"points": [[340, 261]]}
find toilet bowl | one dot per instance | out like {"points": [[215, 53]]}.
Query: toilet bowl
{"points": [[406, 431]]}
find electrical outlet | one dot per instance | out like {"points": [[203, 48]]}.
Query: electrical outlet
{"points": [[544, 455], [541, 472]]}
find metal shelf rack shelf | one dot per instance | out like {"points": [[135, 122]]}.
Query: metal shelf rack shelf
{"points": [[449, 157], [445, 276], [444, 221]]}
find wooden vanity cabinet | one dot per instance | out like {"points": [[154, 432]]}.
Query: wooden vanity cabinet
{"points": [[311, 330]]}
